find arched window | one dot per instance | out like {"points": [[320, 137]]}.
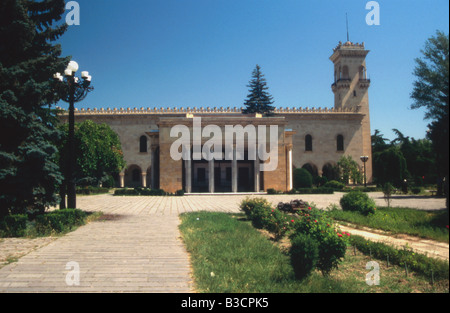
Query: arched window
{"points": [[143, 144], [340, 143], [345, 74], [308, 143], [362, 72], [312, 169]]}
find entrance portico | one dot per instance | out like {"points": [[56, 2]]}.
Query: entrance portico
{"points": [[238, 169]]}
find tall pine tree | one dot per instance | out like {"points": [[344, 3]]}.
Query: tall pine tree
{"points": [[29, 175], [259, 99]]}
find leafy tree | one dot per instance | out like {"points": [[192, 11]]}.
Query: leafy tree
{"points": [[258, 100], [29, 173], [431, 91], [349, 169], [98, 149]]}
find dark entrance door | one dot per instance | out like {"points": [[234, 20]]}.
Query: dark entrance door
{"points": [[244, 179]]}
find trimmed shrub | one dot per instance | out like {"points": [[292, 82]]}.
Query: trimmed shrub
{"points": [[141, 192], [90, 190], [59, 221], [13, 225], [260, 212], [320, 190], [180, 193], [304, 255], [276, 222], [302, 178], [271, 191], [332, 243], [249, 206], [259, 216], [335, 185], [358, 201], [150, 192], [126, 192]]}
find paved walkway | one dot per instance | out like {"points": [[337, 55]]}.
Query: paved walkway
{"points": [[135, 248]]}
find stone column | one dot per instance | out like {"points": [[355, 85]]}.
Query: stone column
{"points": [[122, 179], [234, 172], [153, 167], [211, 176], [144, 179], [188, 169], [257, 174], [188, 175], [290, 184]]}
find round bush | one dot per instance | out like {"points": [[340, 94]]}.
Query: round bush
{"points": [[302, 178], [332, 244], [304, 255], [358, 201], [335, 185]]}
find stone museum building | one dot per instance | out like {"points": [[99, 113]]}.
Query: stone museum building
{"points": [[312, 138]]}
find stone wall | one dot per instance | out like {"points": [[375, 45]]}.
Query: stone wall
{"points": [[322, 124]]}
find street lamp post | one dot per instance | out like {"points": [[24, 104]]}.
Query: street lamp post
{"points": [[71, 89], [364, 159]]}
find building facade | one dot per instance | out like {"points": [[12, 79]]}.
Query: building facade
{"points": [[313, 138]]}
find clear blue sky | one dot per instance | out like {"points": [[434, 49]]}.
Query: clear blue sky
{"points": [[186, 53]]}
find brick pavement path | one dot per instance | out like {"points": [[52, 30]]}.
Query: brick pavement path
{"points": [[137, 249]]}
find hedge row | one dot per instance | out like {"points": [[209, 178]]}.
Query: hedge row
{"points": [[59, 221], [415, 261], [54, 222], [305, 191], [145, 192], [89, 190], [13, 225]]}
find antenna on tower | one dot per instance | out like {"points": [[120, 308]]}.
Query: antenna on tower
{"points": [[346, 19]]}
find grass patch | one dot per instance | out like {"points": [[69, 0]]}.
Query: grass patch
{"points": [[228, 255], [424, 224]]}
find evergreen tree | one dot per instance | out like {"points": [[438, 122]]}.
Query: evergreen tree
{"points": [[390, 167], [379, 143], [29, 174], [259, 100]]}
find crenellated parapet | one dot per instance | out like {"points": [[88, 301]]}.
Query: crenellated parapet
{"points": [[203, 110], [349, 45]]}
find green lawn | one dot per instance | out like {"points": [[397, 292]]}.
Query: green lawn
{"points": [[228, 255], [425, 224]]}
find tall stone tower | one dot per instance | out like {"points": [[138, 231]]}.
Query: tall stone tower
{"points": [[351, 90]]}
